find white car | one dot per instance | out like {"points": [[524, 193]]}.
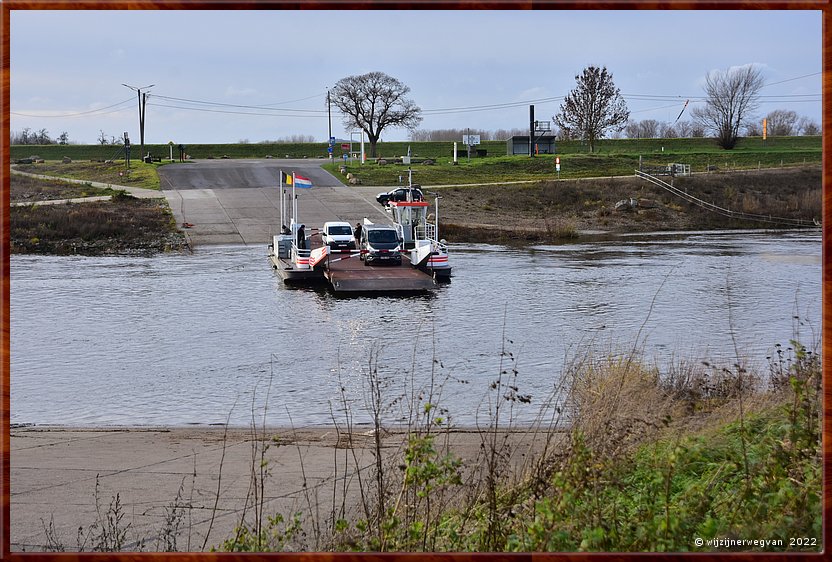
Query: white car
{"points": [[338, 235]]}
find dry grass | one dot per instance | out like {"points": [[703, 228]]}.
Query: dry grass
{"points": [[123, 225]]}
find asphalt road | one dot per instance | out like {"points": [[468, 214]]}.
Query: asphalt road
{"points": [[237, 201]]}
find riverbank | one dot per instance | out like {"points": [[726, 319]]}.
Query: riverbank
{"points": [[551, 211], [646, 463], [503, 213], [195, 479], [72, 216]]}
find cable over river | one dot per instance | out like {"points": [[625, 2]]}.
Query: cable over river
{"points": [[215, 336]]}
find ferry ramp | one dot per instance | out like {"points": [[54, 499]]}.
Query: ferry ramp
{"points": [[237, 201]]}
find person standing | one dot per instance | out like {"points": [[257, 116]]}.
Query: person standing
{"points": [[301, 237]]}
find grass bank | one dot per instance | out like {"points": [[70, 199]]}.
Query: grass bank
{"points": [[112, 172], [439, 151], [27, 189], [123, 225]]}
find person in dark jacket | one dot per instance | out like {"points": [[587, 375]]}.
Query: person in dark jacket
{"points": [[357, 233], [301, 237]]}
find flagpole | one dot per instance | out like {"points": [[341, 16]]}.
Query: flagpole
{"points": [[294, 200], [282, 222]]}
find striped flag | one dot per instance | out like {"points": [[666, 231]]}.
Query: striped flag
{"points": [[302, 182], [285, 178]]}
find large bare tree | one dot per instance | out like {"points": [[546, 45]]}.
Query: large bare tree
{"points": [[594, 107], [732, 96], [781, 122], [373, 102]]}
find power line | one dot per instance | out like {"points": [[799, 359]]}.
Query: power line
{"points": [[267, 107], [99, 110], [793, 79], [231, 112]]}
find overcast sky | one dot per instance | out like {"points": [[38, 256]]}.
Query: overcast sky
{"points": [[68, 67]]}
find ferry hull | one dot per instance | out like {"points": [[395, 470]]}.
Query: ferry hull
{"points": [[290, 274]]}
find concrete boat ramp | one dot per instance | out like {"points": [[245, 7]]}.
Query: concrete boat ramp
{"points": [[237, 201]]}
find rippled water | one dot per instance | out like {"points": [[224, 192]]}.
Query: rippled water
{"points": [[216, 336]]}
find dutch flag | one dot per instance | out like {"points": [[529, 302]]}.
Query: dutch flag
{"points": [[302, 182]]}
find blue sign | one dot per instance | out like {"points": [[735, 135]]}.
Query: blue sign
{"points": [[329, 149], [331, 140]]}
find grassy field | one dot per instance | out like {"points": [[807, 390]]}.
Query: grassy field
{"points": [[749, 152], [138, 175], [613, 158], [26, 189]]}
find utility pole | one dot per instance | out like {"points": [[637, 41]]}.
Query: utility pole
{"points": [[142, 103], [531, 131], [329, 116]]}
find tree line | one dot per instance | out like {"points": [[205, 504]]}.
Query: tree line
{"points": [[29, 136], [592, 110]]}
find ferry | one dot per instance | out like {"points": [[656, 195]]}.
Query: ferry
{"points": [[299, 255]]}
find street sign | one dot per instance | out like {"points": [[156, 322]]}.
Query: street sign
{"points": [[470, 140], [329, 149], [557, 160], [331, 140], [557, 167], [345, 146]]}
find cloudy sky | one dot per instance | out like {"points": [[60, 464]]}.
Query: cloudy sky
{"points": [[263, 75]]}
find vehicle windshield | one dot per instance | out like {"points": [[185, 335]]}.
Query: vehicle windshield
{"points": [[382, 236], [339, 230]]}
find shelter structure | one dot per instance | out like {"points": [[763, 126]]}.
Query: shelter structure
{"points": [[520, 145]]}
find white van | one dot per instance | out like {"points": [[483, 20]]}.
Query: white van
{"points": [[338, 235]]}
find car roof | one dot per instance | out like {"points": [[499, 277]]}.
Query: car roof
{"points": [[378, 227], [337, 223]]}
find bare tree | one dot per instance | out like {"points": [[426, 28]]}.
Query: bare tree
{"points": [[632, 130], [102, 137], [753, 129], [446, 134], [683, 129], [648, 129], [731, 97], [594, 107], [667, 131], [63, 138], [373, 102], [505, 134], [807, 127], [781, 123], [42, 137]]}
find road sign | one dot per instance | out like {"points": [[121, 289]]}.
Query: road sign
{"points": [[345, 146], [329, 149], [557, 160], [331, 140], [557, 167], [470, 140]]}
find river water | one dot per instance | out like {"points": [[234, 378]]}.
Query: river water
{"points": [[216, 337]]}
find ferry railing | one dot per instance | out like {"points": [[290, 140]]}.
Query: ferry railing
{"points": [[299, 253]]}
